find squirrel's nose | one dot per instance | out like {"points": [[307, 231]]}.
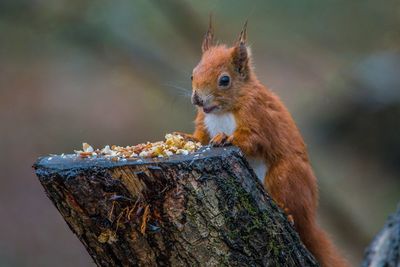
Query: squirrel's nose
{"points": [[196, 100]]}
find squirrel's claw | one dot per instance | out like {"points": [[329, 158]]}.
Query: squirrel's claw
{"points": [[290, 219], [220, 140]]}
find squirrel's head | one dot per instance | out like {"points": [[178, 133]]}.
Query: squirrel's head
{"points": [[221, 73]]}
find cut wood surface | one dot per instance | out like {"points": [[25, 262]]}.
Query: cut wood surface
{"points": [[201, 209], [384, 251]]}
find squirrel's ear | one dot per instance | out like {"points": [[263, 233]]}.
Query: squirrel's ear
{"points": [[241, 53], [208, 37]]}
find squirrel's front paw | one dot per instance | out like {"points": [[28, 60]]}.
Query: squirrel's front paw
{"points": [[221, 139]]}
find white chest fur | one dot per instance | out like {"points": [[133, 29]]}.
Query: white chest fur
{"points": [[216, 123], [226, 123], [259, 167]]}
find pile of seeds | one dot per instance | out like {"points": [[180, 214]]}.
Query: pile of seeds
{"points": [[173, 144]]}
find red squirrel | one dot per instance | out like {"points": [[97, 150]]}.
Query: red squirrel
{"points": [[233, 107]]}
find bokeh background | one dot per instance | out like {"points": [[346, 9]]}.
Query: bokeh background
{"points": [[118, 72]]}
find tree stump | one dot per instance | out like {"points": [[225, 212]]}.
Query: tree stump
{"points": [[385, 248], [203, 209]]}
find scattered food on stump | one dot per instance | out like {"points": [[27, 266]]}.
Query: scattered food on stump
{"points": [[205, 207], [173, 144]]}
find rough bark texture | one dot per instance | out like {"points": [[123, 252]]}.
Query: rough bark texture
{"points": [[384, 251], [203, 209]]}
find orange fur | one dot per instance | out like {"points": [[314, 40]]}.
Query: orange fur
{"points": [[264, 129]]}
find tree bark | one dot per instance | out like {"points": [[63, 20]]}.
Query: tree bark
{"points": [[385, 248], [202, 209]]}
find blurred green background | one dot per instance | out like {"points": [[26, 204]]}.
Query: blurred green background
{"points": [[118, 72]]}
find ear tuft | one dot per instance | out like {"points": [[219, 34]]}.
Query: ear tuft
{"points": [[243, 34], [208, 37], [241, 53]]}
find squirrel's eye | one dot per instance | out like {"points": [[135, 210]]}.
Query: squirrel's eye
{"points": [[224, 81], [191, 77]]}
